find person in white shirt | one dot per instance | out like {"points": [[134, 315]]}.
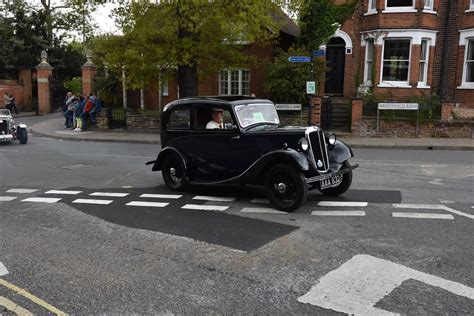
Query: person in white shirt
{"points": [[217, 119]]}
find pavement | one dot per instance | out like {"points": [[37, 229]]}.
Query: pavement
{"points": [[52, 125]]}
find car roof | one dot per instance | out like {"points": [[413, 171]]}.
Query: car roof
{"points": [[230, 100]]}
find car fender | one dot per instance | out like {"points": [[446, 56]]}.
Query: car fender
{"points": [[288, 155], [338, 153], [165, 151], [21, 125]]}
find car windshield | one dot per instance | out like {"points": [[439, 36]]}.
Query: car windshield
{"points": [[5, 112], [254, 113]]}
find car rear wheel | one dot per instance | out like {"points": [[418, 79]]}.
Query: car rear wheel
{"points": [[343, 186], [285, 187], [22, 135], [174, 173]]}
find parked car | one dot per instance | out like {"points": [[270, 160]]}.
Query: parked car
{"points": [[9, 131], [250, 148]]}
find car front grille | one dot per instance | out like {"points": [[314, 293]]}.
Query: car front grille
{"points": [[317, 148], [3, 127]]}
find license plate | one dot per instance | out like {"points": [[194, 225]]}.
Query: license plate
{"points": [[331, 182]]}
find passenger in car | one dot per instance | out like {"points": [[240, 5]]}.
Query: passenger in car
{"points": [[217, 119]]}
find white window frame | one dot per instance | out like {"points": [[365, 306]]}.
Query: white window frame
{"points": [[229, 81], [423, 84], [367, 73], [430, 7], [471, 6], [399, 9], [371, 7], [464, 38], [390, 83]]}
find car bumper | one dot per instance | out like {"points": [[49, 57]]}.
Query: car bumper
{"points": [[6, 138], [325, 176]]}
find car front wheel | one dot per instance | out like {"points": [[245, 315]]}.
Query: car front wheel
{"points": [[22, 135], [174, 173], [285, 187], [343, 186]]}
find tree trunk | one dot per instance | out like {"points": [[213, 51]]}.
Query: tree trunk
{"points": [[187, 81]]}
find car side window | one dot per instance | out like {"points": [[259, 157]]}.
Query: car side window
{"points": [[179, 119], [202, 116]]}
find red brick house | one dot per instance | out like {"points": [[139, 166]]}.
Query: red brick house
{"points": [[413, 47], [245, 81]]}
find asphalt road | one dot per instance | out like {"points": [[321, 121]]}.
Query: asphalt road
{"points": [[400, 240]]}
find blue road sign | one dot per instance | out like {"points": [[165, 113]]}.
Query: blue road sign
{"points": [[319, 53], [299, 59]]}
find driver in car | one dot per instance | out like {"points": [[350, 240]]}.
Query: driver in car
{"points": [[217, 119]]}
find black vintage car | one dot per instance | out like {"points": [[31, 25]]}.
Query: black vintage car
{"points": [[249, 147]]}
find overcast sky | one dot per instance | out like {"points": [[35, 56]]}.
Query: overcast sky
{"points": [[102, 18]]}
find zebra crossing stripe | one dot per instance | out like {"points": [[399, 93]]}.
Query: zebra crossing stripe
{"points": [[147, 204], [214, 198], [161, 196], [66, 192], [22, 190], [338, 213], [91, 201], [204, 207], [261, 210], [423, 215], [260, 201], [109, 194], [42, 200], [343, 204], [7, 198], [420, 206]]}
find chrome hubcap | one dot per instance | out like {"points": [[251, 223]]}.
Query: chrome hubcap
{"points": [[172, 171], [281, 187]]}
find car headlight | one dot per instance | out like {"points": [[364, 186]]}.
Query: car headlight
{"points": [[303, 142], [332, 139]]}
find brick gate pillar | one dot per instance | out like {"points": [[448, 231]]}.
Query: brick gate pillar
{"points": [[357, 108], [44, 70], [316, 110], [89, 71], [447, 108]]}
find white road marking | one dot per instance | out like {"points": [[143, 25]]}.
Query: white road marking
{"points": [[112, 156], [338, 213], [357, 285], [261, 210], [433, 207], [91, 201], [423, 215], [447, 202], [402, 164], [343, 204], [7, 198], [260, 201], [161, 196], [66, 192], [8, 150], [22, 190], [204, 207], [214, 198], [110, 194], [3, 270], [42, 200], [147, 204]]}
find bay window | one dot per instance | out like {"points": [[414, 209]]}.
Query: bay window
{"points": [[396, 60], [424, 58]]}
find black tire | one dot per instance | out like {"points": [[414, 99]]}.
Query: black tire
{"points": [[22, 135], [173, 171], [343, 186], [285, 187]]}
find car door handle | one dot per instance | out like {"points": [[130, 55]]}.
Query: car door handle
{"points": [[236, 137]]}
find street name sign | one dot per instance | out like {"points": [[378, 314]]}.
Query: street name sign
{"points": [[398, 106], [319, 53], [299, 59], [310, 87], [288, 107]]}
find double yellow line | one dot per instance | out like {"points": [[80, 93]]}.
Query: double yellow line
{"points": [[18, 309]]}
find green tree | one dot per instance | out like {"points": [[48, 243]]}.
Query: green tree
{"points": [[184, 36], [319, 20]]}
